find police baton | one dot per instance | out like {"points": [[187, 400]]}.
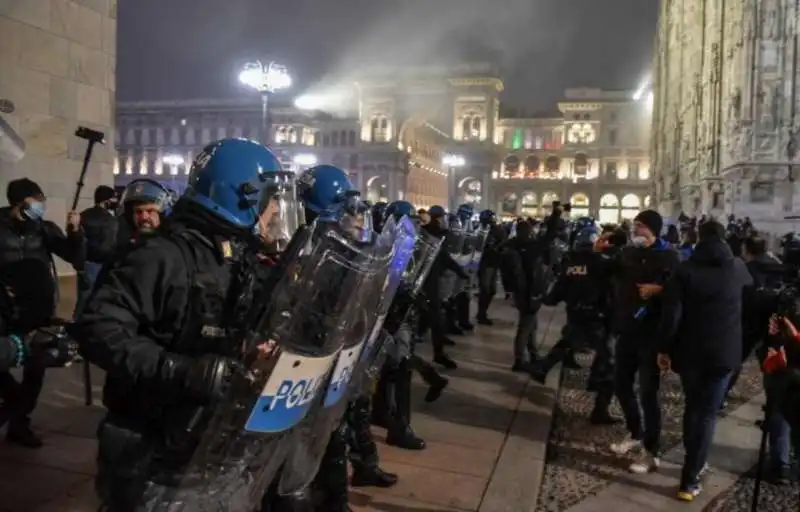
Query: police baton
{"points": [[92, 137]]}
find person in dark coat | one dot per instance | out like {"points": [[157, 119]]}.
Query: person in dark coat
{"points": [[701, 339]]}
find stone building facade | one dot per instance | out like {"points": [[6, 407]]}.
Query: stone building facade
{"points": [[725, 111], [404, 123], [57, 72]]}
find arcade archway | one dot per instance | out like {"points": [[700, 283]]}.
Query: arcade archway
{"points": [[470, 190], [509, 205], [547, 202], [377, 189], [609, 209], [631, 206], [530, 205], [580, 205]]}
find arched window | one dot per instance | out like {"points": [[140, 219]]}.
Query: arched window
{"points": [[631, 205], [646, 201], [510, 204], [351, 138], [547, 202], [379, 129], [476, 128], [552, 166], [609, 209], [532, 165], [466, 127], [530, 205], [512, 166], [343, 137], [580, 205], [581, 166]]}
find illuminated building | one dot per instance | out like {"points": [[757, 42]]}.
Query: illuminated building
{"points": [[725, 110]]}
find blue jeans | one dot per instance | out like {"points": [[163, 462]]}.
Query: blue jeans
{"points": [[778, 431], [632, 358], [90, 270], [704, 391]]}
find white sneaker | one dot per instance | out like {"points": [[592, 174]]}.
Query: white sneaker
{"points": [[625, 446], [645, 464]]}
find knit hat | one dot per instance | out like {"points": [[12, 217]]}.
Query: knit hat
{"points": [[103, 193], [652, 219], [21, 189]]}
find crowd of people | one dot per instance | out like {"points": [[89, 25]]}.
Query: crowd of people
{"points": [[258, 285], [696, 297]]}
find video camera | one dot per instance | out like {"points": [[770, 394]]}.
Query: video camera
{"points": [[567, 207]]}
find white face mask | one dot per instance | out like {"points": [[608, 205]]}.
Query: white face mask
{"points": [[639, 241]]}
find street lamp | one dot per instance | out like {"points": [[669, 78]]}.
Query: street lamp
{"points": [[453, 161], [173, 160], [265, 79]]}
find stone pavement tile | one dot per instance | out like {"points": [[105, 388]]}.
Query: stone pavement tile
{"points": [[81, 498], [66, 453], [360, 502], [24, 487], [442, 430], [437, 487], [476, 461], [734, 451]]}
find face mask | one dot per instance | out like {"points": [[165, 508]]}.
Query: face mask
{"points": [[639, 241], [34, 210]]}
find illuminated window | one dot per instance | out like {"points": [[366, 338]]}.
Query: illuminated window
{"points": [[516, 142]]}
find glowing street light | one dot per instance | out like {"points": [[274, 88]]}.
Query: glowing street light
{"points": [[265, 79], [309, 102], [453, 161], [305, 159]]}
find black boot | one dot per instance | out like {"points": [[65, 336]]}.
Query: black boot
{"points": [[401, 434], [461, 302], [372, 476], [540, 369], [602, 403], [450, 318], [484, 299], [435, 390], [20, 433]]}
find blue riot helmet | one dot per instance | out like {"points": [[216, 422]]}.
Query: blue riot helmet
{"points": [[487, 218], [585, 239], [143, 205], [378, 212], [227, 179], [454, 222], [327, 193], [400, 209], [465, 213], [584, 222]]}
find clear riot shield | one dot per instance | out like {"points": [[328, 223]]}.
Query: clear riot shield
{"points": [[390, 253], [477, 242], [243, 439]]}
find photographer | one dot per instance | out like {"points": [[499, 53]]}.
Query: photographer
{"points": [[781, 381]]}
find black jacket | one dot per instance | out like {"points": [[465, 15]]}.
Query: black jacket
{"points": [[633, 266], [702, 309], [767, 274], [529, 271], [135, 325], [100, 229], [26, 251], [442, 263]]}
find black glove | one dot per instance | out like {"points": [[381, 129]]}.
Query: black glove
{"points": [[50, 349], [208, 378]]}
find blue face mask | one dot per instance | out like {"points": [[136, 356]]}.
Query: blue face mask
{"points": [[34, 210]]}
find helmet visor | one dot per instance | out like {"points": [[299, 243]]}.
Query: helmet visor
{"points": [[280, 213]]}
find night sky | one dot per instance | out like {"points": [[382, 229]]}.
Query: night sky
{"points": [[182, 49]]}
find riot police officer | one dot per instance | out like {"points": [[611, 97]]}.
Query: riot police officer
{"points": [[489, 264], [157, 323], [145, 205], [585, 287]]}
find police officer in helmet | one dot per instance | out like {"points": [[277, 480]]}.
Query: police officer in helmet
{"points": [[489, 264], [145, 204], [585, 287], [157, 323]]}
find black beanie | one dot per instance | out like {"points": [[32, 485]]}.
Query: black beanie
{"points": [[18, 190], [103, 193], [652, 219]]}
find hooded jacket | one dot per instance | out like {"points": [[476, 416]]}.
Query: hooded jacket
{"points": [[701, 324]]}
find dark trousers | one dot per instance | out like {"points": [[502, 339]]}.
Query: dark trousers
{"points": [[633, 358], [704, 391], [525, 340], [487, 287], [778, 430], [433, 319], [331, 480], [20, 399], [363, 451]]}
